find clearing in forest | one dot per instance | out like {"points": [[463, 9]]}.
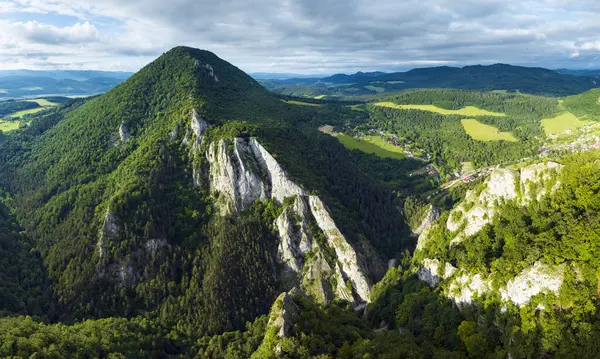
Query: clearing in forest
{"points": [[7, 126], [292, 102], [43, 102], [482, 132], [465, 111], [563, 122], [372, 144], [20, 114], [328, 129]]}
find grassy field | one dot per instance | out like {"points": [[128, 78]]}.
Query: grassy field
{"points": [[43, 102], [375, 88], [26, 112], [292, 102], [7, 126], [465, 111], [482, 132], [371, 144], [564, 121]]}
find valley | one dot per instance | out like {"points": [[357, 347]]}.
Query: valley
{"points": [[190, 212]]}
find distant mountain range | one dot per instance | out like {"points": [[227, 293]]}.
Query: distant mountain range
{"points": [[510, 78], [29, 83]]}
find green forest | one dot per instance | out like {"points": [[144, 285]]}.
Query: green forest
{"points": [[114, 245]]}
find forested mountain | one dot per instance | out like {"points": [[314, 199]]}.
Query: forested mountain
{"points": [[28, 83], [530, 80], [189, 212]]}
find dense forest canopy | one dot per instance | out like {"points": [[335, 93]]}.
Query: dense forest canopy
{"points": [[114, 243]]}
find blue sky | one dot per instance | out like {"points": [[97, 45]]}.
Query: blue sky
{"points": [[302, 36]]}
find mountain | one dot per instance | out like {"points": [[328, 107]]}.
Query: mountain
{"points": [[189, 212], [591, 73], [503, 77], [189, 188], [29, 83]]}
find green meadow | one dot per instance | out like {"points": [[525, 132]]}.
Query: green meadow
{"points": [[7, 126], [465, 111], [562, 122], [482, 132], [371, 144]]}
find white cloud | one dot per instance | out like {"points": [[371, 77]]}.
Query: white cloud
{"points": [[306, 35]]}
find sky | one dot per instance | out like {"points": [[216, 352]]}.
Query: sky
{"points": [[302, 36]]}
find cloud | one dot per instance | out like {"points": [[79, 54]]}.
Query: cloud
{"points": [[309, 36], [35, 32]]}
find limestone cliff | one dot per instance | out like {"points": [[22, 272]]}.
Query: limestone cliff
{"points": [[241, 171], [470, 216]]}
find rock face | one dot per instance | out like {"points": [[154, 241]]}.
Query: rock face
{"points": [[123, 133], [432, 214], [429, 272], [531, 282], [464, 288], [198, 126], [537, 174], [208, 69], [477, 210], [109, 231], [283, 314], [294, 234], [235, 175], [346, 255], [242, 171]]}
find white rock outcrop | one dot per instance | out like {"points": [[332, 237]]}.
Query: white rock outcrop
{"points": [[208, 69], [295, 239], [346, 255], [430, 269], [198, 126], [431, 215], [538, 174], [280, 184], [109, 231], [283, 314], [464, 288], [478, 210], [235, 175], [531, 282], [123, 133], [243, 171]]}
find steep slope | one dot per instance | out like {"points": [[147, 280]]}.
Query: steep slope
{"points": [[174, 193]]}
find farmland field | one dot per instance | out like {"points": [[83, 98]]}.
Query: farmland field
{"points": [[564, 121], [482, 132], [371, 144], [7, 126], [465, 111], [42, 102], [292, 102], [20, 114]]}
